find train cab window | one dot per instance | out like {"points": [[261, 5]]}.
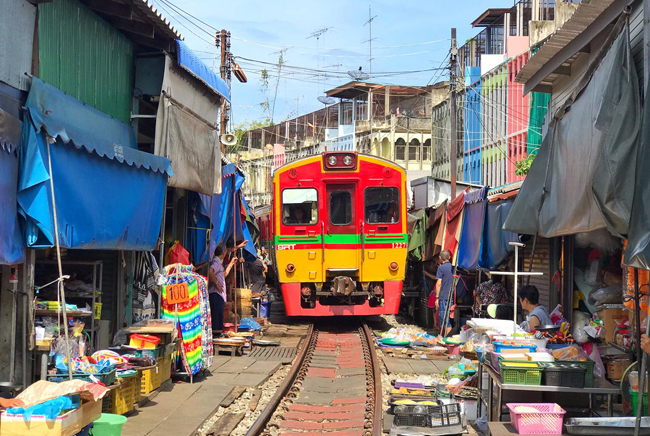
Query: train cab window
{"points": [[381, 205], [340, 208], [299, 206]]}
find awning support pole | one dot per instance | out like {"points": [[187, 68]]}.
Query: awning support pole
{"points": [[61, 288]]}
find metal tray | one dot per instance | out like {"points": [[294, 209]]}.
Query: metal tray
{"points": [[606, 426]]}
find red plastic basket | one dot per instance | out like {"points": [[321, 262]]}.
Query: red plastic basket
{"points": [[547, 420]]}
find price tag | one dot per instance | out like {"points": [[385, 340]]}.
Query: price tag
{"points": [[178, 293]]}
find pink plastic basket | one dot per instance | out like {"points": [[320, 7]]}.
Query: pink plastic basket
{"points": [[547, 420]]}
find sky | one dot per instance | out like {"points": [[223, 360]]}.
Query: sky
{"points": [[411, 41]]}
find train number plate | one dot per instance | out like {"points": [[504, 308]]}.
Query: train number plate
{"points": [[399, 244]]}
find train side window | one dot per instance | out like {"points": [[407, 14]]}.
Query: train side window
{"points": [[340, 208], [299, 206], [381, 205]]}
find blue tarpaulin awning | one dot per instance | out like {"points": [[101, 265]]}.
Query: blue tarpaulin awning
{"points": [[223, 211], [12, 250], [470, 239], [496, 241], [190, 62], [108, 195]]}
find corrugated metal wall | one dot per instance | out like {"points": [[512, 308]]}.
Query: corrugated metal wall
{"points": [[541, 263], [83, 55], [17, 18]]}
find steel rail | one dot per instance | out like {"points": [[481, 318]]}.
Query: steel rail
{"points": [[377, 412], [260, 423]]}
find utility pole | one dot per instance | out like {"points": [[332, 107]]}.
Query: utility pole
{"points": [[223, 41], [453, 52]]}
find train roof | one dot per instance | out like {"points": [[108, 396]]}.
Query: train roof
{"points": [[368, 156]]}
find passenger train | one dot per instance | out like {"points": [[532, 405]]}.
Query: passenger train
{"points": [[339, 234]]}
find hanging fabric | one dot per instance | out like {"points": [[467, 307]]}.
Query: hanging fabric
{"points": [[192, 317]]}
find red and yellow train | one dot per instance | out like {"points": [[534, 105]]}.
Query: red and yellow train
{"points": [[339, 234]]}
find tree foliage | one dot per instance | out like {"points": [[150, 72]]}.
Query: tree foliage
{"points": [[523, 165]]}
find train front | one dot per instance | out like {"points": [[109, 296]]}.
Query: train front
{"points": [[340, 234]]}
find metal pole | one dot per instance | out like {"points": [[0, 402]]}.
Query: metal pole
{"points": [[639, 406], [637, 316], [514, 327], [452, 103], [60, 287]]}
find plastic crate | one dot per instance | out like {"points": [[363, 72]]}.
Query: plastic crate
{"points": [[515, 373], [137, 391], [120, 400], [589, 370], [560, 374], [547, 420], [108, 378], [442, 415], [150, 380], [164, 365], [499, 346]]}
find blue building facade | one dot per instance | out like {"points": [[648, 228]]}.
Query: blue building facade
{"points": [[472, 126]]}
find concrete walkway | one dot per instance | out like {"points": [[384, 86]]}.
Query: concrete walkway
{"points": [[179, 409]]}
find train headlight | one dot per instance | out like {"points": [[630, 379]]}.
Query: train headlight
{"points": [[347, 160], [291, 268], [332, 161], [393, 266]]}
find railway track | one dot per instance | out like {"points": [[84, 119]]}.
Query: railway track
{"points": [[333, 387]]}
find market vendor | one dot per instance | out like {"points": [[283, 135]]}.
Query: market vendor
{"points": [[217, 287], [9, 403], [445, 278], [257, 275], [645, 343], [489, 292], [537, 314]]}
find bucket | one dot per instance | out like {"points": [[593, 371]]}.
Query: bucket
{"points": [[264, 310], [109, 425], [453, 349]]}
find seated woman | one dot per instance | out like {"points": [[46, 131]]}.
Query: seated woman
{"points": [[490, 292]]}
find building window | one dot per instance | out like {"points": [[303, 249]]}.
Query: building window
{"points": [[299, 206], [400, 149], [414, 149], [426, 150]]}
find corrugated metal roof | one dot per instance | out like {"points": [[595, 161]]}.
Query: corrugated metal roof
{"points": [[157, 19], [585, 14], [139, 20]]}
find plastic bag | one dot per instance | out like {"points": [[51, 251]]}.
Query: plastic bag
{"points": [[580, 319], [594, 354], [609, 295], [572, 352], [177, 254], [250, 323], [50, 409], [120, 338], [557, 318]]}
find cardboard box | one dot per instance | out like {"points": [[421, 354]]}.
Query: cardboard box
{"points": [[65, 425], [612, 318]]}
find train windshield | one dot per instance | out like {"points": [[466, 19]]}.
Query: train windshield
{"points": [[299, 206], [382, 205]]}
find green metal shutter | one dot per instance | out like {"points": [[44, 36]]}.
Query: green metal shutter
{"points": [[86, 57]]}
